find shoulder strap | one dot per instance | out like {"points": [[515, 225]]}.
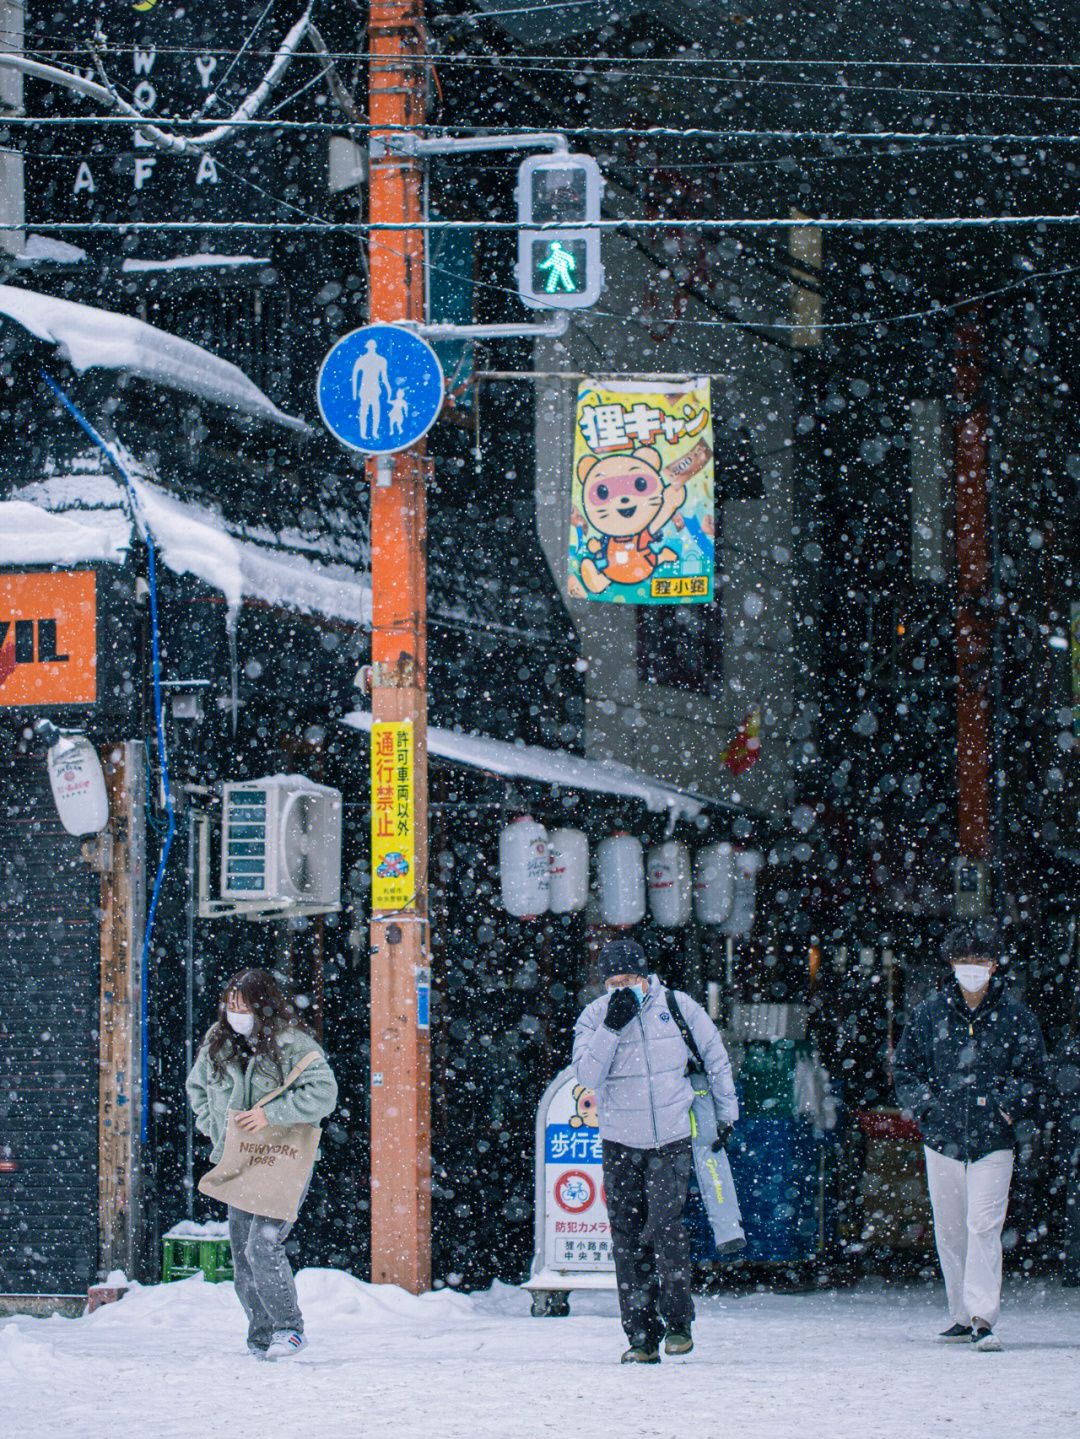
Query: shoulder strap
{"points": [[684, 1029], [292, 1076]]}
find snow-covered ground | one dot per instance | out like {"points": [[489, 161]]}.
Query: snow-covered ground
{"points": [[169, 1362]]}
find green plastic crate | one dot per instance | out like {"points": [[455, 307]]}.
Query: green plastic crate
{"points": [[767, 1078], [181, 1258]]}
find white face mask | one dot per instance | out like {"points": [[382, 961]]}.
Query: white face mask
{"points": [[972, 977], [639, 989], [239, 1021]]}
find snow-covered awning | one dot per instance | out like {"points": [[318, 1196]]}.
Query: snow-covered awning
{"points": [[551, 766], [88, 337], [82, 519], [30, 535]]}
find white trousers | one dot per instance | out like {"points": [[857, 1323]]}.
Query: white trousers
{"points": [[969, 1203]]}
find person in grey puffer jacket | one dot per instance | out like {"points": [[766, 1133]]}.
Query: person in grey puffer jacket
{"points": [[628, 1050]]}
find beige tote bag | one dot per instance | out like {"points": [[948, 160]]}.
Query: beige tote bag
{"points": [[265, 1172]]}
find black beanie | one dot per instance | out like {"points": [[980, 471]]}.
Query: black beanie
{"points": [[980, 939], [622, 956]]}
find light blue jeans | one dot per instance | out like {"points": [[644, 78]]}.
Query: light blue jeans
{"points": [[263, 1276]]}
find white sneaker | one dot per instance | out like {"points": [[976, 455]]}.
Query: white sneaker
{"points": [[984, 1338], [284, 1343]]}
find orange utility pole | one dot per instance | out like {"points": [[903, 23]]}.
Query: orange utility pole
{"points": [[400, 1050]]}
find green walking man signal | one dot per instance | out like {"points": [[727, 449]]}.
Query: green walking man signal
{"points": [[565, 265], [559, 268]]}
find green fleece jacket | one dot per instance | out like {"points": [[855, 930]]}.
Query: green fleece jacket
{"points": [[245, 1081]]}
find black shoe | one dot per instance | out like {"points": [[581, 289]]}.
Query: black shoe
{"points": [[640, 1355], [984, 1338], [678, 1341], [956, 1334]]}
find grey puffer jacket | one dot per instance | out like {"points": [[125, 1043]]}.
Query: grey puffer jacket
{"points": [[643, 1096]]}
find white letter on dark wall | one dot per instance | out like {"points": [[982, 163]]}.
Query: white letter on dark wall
{"points": [[144, 60], [206, 65], [144, 168], [207, 170], [84, 180]]}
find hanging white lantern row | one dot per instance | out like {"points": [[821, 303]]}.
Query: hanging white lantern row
{"points": [[620, 870], [569, 871], [78, 785], [714, 882], [739, 923], [668, 869], [524, 868]]}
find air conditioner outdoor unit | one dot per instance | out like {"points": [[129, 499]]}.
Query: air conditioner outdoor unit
{"points": [[281, 845]]}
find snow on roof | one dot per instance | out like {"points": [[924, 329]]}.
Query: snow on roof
{"points": [[82, 518], [551, 766], [31, 536], [46, 248], [89, 337], [192, 262], [195, 541]]}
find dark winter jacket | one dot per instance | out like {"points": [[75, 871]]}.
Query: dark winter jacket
{"points": [[643, 1096], [960, 1071]]}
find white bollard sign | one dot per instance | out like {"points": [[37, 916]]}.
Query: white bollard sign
{"points": [[573, 1234]]}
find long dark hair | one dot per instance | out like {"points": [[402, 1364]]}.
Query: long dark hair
{"points": [[273, 1013]]}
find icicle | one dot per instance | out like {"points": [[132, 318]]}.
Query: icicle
{"points": [[231, 616]]}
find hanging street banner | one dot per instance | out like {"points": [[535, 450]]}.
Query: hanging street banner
{"points": [[393, 818], [642, 495]]}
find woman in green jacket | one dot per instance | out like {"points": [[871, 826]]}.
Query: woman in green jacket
{"points": [[257, 1040]]}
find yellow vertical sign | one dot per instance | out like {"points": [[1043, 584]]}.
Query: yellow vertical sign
{"points": [[393, 817]]}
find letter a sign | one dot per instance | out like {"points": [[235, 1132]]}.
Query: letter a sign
{"points": [[380, 389]]}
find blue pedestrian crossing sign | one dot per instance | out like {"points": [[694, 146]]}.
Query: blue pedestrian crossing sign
{"points": [[380, 389]]}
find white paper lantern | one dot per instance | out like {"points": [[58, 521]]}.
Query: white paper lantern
{"points": [[714, 882], [524, 868], [569, 871], [78, 785], [620, 867], [739, 922], [668, 869]]}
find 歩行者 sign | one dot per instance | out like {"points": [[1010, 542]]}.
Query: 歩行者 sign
{"points": [[573, 1233]]}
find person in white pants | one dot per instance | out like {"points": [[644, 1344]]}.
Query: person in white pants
{"points": [[969, 1203], [970, 1067]]}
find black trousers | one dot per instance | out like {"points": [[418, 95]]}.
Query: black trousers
{"points": [[646, 1193]]}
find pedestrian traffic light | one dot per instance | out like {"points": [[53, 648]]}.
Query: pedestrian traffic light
{"points": [[558, 268]]}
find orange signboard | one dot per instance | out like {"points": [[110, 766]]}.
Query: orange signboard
{"points": [[48, 638]]}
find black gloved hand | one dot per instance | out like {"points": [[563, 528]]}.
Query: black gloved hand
{"points": [[622, 1006], [721, 1140]]}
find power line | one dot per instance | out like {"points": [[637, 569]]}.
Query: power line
{"points": [[654, 132], [591, 62], [560, 65], [943, 222]]}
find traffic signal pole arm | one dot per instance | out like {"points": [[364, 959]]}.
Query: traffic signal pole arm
{"points": [[407, 143]]}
